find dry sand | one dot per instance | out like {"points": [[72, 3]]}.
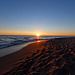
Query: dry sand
{"points": [[52, 57]]}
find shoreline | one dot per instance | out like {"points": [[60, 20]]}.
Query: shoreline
{"points": [[13, 49], [13, 58]]}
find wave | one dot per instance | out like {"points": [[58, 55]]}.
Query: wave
{"points": [[11, 40]]}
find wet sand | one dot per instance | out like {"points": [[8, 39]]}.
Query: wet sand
{"points": [[13, 49], [52, 57], [8, 61]]}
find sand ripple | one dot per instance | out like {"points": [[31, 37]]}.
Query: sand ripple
{"points": [[56, 58]]}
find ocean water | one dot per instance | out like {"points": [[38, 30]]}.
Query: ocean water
{"points": [[11, 40]]}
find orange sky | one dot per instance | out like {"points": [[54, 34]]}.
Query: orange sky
{"points": [[7, 32]]}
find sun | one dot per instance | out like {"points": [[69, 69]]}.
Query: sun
{"points": [[37, 34]]}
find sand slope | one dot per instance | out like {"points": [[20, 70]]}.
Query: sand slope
{"points": [[8, 61], [56, 57]]}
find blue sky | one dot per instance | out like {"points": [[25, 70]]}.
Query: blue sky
{"points": [[37, 16]]}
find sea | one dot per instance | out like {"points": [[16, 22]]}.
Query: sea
{"points": [[12, 43]]}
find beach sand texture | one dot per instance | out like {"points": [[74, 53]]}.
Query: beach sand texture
{"points": [[52, 57]]}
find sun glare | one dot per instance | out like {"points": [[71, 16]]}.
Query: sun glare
{"points": [[38, 34]]}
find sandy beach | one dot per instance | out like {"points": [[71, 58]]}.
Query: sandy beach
{"points": [[51, 57], [8, 61]]}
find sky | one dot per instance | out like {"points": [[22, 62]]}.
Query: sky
{"points": [[29, 17]]}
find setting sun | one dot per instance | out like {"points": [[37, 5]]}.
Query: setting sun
{"points": [[38, 34]]}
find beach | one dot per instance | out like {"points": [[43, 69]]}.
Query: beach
{"points": [[50, 57], [8, 61]]}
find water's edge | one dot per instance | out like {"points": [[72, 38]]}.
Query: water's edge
{"points": [[12, 49], [15, 48]]}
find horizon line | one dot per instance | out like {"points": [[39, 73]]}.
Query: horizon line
{"points": [[35, 35]]}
